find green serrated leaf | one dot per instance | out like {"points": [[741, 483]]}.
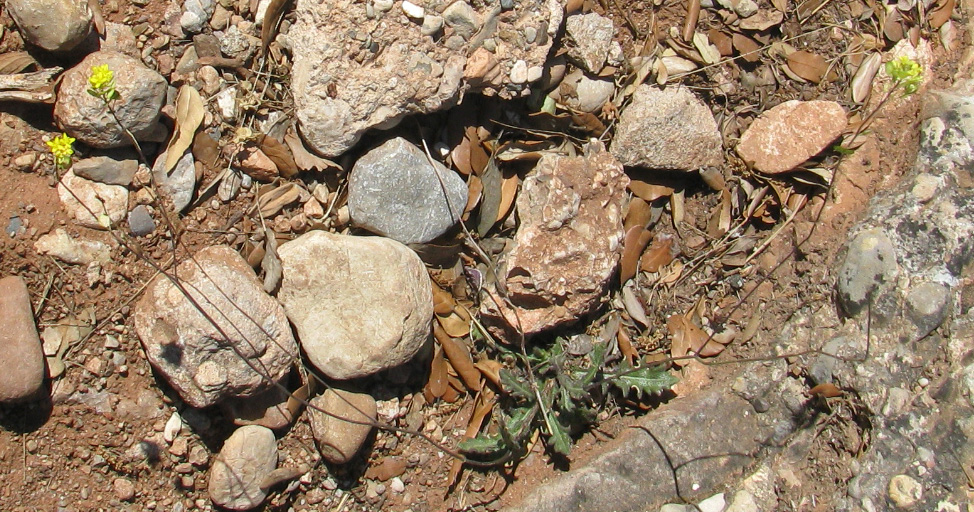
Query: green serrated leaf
{"points": [[648, 379], [483, 445], [558, 435], [515, 387]]}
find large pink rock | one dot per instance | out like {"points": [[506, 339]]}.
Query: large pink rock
{"points": [[789, 134], [22, 363], [569, 243]]}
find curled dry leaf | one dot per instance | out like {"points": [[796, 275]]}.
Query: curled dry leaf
{"points": [[808, 66], [279, 154], [825, 390], [625, 346], [763, 20], [491, 370], [272, 17], [274, 201], [15, 62], [509, 186], [304, 159], [271, 262], [632, 247], [456, 323], [437, 384], [708, 52], [862, 82], [633, 306], [941, 13], [458, 355], [482, 407], [206, 150], [475, 189], [189, 116], [647, 191]]}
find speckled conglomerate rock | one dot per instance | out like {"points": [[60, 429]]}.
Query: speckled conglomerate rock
{"points": [[568, 245], [206, 363], [357, 67]]}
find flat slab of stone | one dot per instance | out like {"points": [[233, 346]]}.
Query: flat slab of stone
{"points": [[787, 135], [22, 364]]}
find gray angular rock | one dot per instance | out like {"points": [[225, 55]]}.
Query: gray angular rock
{"points": [[247, 457], [107, 170], [667, 129], [179, 183], [79, 251], [569, 243], [196, 14], [395, 192], [202, 364], [927, 305], [34, 19], [339, 440], [346, 80], [868, 274], [22, 364], [360, 304], [592, 37], [142, 92], [89, 202]]}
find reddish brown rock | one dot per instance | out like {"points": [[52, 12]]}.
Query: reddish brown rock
{"points": [[791, 133], [258, 165], [569, 243], [22, 364]]}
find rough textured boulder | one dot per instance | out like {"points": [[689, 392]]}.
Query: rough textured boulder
{"points": [[203, 364], [339, 440], [569, 243], [359, 66], [34, 19], [87, 201], [247, 457], [787, 135], [667, 129], [22, 364], [394, 191], [360, 304], [142, 92]]}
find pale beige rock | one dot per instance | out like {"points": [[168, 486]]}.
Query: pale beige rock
{"points": [[80, 251], [667, 129], [247, 457], [360, 304], [141, 91], [787, 135], [54, 25], [339, 440], [569, 243], [87, 201], [203, 364]]}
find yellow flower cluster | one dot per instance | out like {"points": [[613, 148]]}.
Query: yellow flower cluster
{"points": [[60, 147], [101, 83], [905, 72]]}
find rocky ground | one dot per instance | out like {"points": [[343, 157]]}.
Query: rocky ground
{"points": [[653, 256]]}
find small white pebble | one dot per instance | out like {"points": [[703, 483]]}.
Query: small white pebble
{"points": [[413, 11], [396, 485], [923, 382]]}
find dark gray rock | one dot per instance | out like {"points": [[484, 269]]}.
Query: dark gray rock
{"points": [[141, 222], [179, 183], [394, 191], [106, 170]]}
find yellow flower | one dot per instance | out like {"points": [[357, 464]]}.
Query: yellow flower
{"points": [[60, 147], [101, 83], [906, 72]]}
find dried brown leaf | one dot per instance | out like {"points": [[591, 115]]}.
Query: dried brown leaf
{"points": [[941, 13], [747, 48], [808, 65], [272, 18], [660, 253], [693, 16], [189, 116], [639, 213], [632, 247], [275, 200], [475, 189], [647, 191], [271, 262], [15, 62], [509, 186], [437, 385], [297, 399], [206, 150], [304, 159], [280, 155], [625, 346], [454, 324], [723, 42], [862, 82], [825, 390], [491, 370]]}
